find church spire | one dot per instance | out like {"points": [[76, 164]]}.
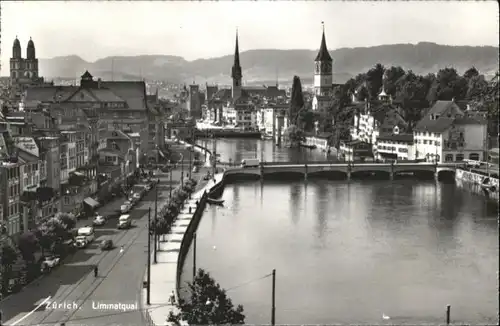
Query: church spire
{"points": [[236, 71], [323, 54], [236, 52]]}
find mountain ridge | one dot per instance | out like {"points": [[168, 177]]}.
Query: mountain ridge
{"points": [[273, 64]]}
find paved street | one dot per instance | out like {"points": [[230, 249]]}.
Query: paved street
{"points": [[119, 281]]}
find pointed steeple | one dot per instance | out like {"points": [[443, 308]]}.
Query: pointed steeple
{"points": [[237, 51], [236, 71], [323, 54]]}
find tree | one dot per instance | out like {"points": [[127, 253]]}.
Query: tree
{"points": [[392, 75], [305, 119], [476, 87], [67, 220], [297, 99], [8, 257], [208, 304], [5, 110], [374, 80], [28, 245], [470, 73], [295, 135]]}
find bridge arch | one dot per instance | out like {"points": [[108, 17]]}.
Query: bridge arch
{"points": [[445, 174], [370, 174], [283, 175], [332, 175]]}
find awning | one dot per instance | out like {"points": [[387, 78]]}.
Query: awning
{"points": [[91, 202]]}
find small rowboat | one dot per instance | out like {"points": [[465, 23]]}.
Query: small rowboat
{"points": [[215, 201]]}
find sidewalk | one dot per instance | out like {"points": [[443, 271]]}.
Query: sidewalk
{"points": [[164, 272]]}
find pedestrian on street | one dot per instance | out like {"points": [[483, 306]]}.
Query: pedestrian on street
{"points": [[96, 270], [172, 298]]}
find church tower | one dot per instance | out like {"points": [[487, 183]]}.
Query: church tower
{"points": [[31, 62], [323, 79], [236, 71], [16, 62]]}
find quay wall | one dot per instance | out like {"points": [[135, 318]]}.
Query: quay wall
{"points": [[219, 133], [473, 181]]}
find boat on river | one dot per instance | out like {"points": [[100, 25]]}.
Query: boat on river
{"points": [[214, 201], [487, 186]]}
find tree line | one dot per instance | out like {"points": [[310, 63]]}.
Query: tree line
{"points": [[414, 93]]}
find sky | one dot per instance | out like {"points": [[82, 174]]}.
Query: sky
{"points": [[202, 29]]}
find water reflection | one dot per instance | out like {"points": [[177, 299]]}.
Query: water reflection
{"points": [[239, 149], [321, 210], [357, 242], [295, 193]]}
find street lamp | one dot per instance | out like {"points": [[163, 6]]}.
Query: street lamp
{"points": [[190, 160], [182, 170], [148, 289]]}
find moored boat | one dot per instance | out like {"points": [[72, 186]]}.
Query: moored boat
{"points": [[214, 201]]}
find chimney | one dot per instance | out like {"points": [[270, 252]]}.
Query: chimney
{"points": [[99, 83]]}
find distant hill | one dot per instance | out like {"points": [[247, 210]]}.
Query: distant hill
{"points": [[262, 66]]}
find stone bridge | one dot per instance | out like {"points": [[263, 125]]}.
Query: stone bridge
{"points": [[345, 170]]}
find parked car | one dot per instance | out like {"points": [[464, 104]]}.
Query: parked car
{"points": [[136, 196], [49, 262], [99, 220], [149, 185], [126, 207], [106, 244]]}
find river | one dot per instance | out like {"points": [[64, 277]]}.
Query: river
{"points": [[349, 252]]}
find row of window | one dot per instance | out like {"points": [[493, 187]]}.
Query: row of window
{"points": [[14, 172], [460, 157], [14, 190], [31, 179], [14, 226], [393, 149], [13, 209], [428, 134], [429, 142]]}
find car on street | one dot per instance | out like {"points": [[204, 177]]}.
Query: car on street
{"points": [[106, 244], [87, 232], [81, 242], [126, 207], [136, 196], [49, 262], [124, 222], [99, 220]]}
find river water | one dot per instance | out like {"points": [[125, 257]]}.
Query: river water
{"points": [[350, 252]]}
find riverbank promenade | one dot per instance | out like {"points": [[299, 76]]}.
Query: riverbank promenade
{"points": [[164, 272]]}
